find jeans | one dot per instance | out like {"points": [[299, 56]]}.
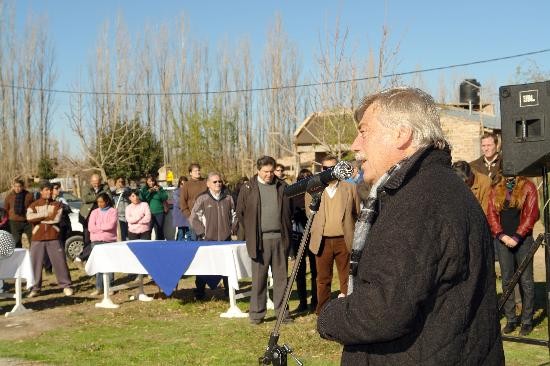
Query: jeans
{"points": [[99, 276], [183, 233], [509, 259], [157, 223], [123, 230], [192, 236]]}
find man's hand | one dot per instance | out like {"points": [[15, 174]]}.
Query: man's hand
{"points": [[508, 241]]}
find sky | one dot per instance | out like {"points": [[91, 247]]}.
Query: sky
{"points": [[429, 33]]}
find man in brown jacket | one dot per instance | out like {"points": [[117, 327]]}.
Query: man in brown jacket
{"points": [[45, 214], [16, 204], [332, 233], [479, 184], [490, 163], [189, 193]]}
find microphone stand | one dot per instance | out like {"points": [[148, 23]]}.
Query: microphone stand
{"points": [[274, 354]]}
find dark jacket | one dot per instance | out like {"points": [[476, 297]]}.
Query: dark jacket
{"points": [[89, 198], [249, 216], [529, 210], [425, 292], [213, 219]]}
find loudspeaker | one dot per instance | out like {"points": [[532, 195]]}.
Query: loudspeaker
{"points": [[525, 115]]}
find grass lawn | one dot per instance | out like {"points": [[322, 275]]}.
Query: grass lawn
{"points": [[175, 331]]}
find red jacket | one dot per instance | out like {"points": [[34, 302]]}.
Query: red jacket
{"points": [[529, 212]]}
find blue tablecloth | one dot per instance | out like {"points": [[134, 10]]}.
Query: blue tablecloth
{"points": [[167, 261]]}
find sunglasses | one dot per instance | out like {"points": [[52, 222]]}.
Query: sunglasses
{"points": [[327, 167]]}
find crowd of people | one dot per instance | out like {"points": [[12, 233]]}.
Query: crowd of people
{"points": [[411, 245]]}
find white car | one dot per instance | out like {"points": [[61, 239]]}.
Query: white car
{"points": [[75, 239]]}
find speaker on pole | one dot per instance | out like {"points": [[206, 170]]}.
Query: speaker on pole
{"points": [[525, 122]]}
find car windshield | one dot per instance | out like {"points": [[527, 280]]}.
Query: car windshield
{"points": [[70, 197], [72, 200]]}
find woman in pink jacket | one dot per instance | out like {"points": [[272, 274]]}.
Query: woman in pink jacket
{"points": [[138, 217], [102, 225]]}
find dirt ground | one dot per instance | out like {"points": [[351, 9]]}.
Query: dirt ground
{"points": [[51, 307]]}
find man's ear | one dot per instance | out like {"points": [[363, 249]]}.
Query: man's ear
{"points": [[403, 138]]}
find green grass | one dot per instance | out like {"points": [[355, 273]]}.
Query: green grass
{"points": [[184, 332], [168, 332]]}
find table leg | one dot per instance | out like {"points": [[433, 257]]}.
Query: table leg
{"points": [[233, 311], [106, 303], [18, 309], [269, 304]]}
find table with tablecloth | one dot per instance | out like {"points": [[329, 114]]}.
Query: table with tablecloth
{"points": [[167, 261], [18, 266]]}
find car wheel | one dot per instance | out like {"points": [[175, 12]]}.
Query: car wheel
{"points": [[74, 246]]}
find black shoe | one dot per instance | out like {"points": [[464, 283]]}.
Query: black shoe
{"points": [[526, 329], [200, 294], [256, 321], [302, 308], [288, 320], [510, 327], [313, 306]]}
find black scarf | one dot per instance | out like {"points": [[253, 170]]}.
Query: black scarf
{"points": [[19, 204]]}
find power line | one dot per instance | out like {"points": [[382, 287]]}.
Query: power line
{"points": [[295, 86]]}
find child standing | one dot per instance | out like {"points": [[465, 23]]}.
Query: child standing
{"points": [[138, 216], [102, 225]]}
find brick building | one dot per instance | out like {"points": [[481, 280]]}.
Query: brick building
{"points": [[324, 132]]}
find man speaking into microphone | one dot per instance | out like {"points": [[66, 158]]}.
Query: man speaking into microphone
{"points": [[422, 282]]}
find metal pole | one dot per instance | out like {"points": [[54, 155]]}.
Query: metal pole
{"points": [[546, 214]]}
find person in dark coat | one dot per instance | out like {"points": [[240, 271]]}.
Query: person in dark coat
{"points": [[264, 214], [299, 221], [422, 284]]}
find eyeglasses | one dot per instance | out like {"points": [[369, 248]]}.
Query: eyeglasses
{"points": [[217, 181], [327, 167]]}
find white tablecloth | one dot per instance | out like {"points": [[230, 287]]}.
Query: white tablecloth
{"points": [[18, 265], [229, 260]]}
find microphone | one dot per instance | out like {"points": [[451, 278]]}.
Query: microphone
{"points": [[341, 171]]}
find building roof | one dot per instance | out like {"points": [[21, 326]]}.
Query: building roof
{"points": [[326, 128], [489, 120]]}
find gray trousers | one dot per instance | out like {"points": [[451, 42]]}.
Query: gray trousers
{"points": [[57, 257], [273, 254]]}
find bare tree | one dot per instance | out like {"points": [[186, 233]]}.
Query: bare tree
{"points": [[101, 120], [280, 68]]}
